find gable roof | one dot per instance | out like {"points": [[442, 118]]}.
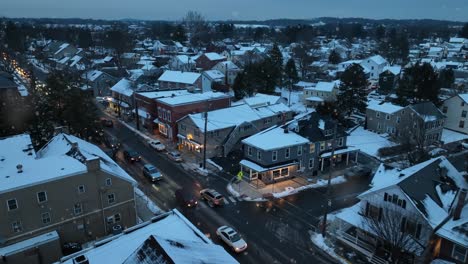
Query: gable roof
{"points": [[464, 97], [431, 186], [313, 127], [275, 138], [192, 98], [124, 86], [427, 111], [167, 238], [179, 77], [377, 59], [213, 56]]}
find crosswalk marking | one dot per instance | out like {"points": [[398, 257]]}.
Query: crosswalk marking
{"points": [[155, 187], [226, 201], [232, 199]]}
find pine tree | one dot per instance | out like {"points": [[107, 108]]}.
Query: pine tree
{"points": [[239, 87], [464, 31], [276, 60], [334, 57], [419, 82], [352, 94], [84, 39]]}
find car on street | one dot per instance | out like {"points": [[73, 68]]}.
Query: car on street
{"points": [[107, 122], [131, 155], [212, 197], [230, 236], [111, 142], [357, 172], [156, 144], [175, 156], [186, 198], [152, 173]]}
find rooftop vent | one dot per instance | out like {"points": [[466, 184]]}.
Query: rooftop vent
{"points": [[81, 259], [19, 167]]}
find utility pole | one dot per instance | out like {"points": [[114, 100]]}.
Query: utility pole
{"points": [[136, 112], [332, 165], [204, 139]]}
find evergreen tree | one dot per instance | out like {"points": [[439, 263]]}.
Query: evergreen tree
{"points": [[464, 31], [15, 39], [419, 82], [446, 78], [290, 72], [276, 57], [84, 39], [352, 94], [179, 34], [334, 57], [239, 86], [380, 32]]}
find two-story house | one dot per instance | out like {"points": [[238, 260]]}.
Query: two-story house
{"points": [[171, 109], [229, 69], [100, 82], [208, 60], [381, 117], [403, 208], [214, 80], [122, 96], [456, 111], [226, 127], [419, 124], [388, 79], [173, 80], [69, 191], [302, 146], [322, 91], [182, 63], [375, 65]]}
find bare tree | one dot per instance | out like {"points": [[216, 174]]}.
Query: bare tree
{"points": [[397, 230], [194, 22]]}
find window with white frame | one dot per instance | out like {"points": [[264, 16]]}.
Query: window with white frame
{"points": [[259, 155], [312, 148], [17, 226], [12, 204], [111, 198], [377, 114], [340, 142], [114, 219], [108, 182], [311, 163], [398, 119], [299, 150], [459, 253], [274, 155], [41, 197], [322, 145], [81, 189], [287, 153], [77, 209], [249, 150], [45, 217], [284, 172], [387, 117]]}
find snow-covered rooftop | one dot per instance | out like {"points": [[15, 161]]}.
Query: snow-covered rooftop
{"points": [[456, 230], [378, 59], [179, 77], [214, 56], [173, 238], [393, 69], [161, 94], [29, 243], [275, 138], [192, 98], [387, 108], [464, 97], [259, 99], [237, 115], [323, 86], [124, 87], [367, 141], [214, 74]]}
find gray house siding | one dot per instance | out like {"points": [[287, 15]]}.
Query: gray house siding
{"points": [[380, 122], [62, 195]]}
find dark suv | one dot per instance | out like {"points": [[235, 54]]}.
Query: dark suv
{"points": [[131, 156], [212, 197], [186, 198]]}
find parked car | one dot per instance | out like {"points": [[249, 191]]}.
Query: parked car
{"points": [[357, 172], [131, 156], [107, 122], [152, 173], [212, 197], [186, 198], [175, 156], [231, 238], [156, 144]]}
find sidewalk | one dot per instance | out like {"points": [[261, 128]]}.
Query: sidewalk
{"points": [[190, 161], [250, 191]]}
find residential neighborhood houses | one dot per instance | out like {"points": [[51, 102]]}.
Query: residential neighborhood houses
{"points": [[200, 141]]}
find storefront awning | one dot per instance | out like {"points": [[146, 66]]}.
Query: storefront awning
{"points": [[254, 166], [339, 151]]}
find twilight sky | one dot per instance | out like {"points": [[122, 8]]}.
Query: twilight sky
{"points": [[237, 9]]}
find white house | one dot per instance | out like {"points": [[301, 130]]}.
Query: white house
{"points": [[228, 68], [375, 65], [210, 78], [322, 91], [456, 110], [410, 204]]}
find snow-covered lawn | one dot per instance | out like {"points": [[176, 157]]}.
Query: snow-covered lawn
{"points": [[449, 136], [214, 164], [368, 142], [319, 241], [319, 183]]}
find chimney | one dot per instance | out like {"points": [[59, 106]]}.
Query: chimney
{"points": [[93, 164], [460, 204], [81, 259], [19, 167], [286, 131], [61, 129]]}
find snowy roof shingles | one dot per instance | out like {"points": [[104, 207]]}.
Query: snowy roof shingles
{"points": [[124, 87], [179, 77]]}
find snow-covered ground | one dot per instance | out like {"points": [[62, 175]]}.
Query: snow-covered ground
{"points": [[449, 136], [368, 142], [296, 100], [149, 203], [318, 184], [214, 164], [319, 241]]}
